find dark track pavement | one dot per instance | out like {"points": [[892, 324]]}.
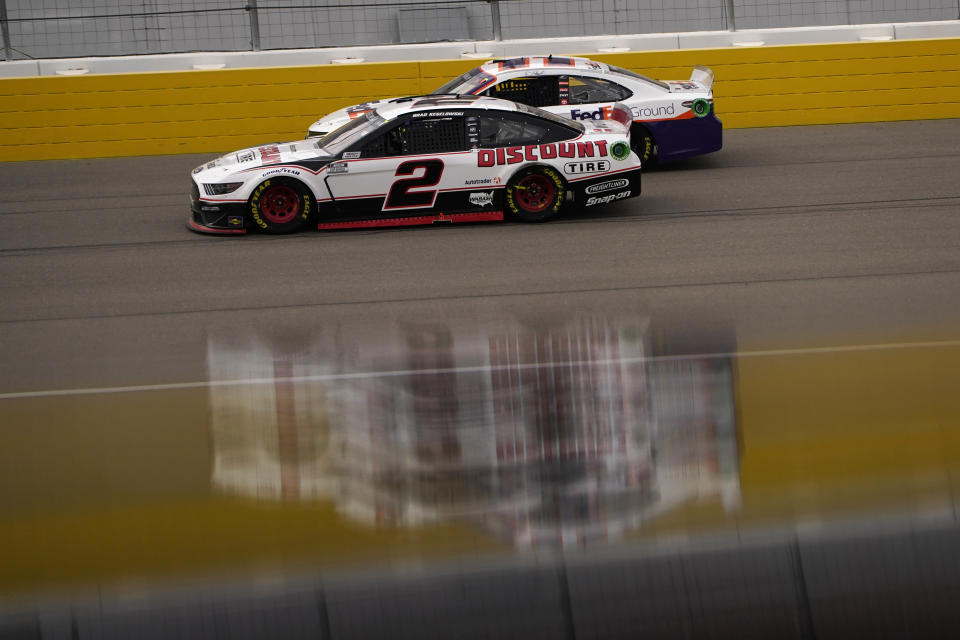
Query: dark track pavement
{"points": [[804, 234]]}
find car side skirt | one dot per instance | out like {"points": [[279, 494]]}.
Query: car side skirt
{"points": [[433, 218]]}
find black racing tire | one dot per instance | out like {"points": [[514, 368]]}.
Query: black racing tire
{"points": [[644, 146], [535, 194], [281, 205]]}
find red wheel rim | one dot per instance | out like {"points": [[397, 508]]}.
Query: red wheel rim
{"points": [[535, 193], [280, 204]]}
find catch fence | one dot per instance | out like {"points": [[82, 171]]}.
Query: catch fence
{"points": [[78, 28]]}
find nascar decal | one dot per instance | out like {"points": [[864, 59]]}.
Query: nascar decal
{"points": [[534, 152], [481, 199]]}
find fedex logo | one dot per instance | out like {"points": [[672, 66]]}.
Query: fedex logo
{"points": [[603, 113]]}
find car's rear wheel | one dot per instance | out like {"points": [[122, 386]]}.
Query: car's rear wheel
{"points": [[644, 146], [281, 205], [535, 194]]}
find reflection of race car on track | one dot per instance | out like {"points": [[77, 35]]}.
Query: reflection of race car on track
{"points": [[420, 160], [672, 120]]}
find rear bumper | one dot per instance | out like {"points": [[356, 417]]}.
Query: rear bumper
{"points": [[678, 139], [608, 188]]}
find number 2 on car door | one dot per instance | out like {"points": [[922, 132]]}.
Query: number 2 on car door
{"points": [[401, 196]]}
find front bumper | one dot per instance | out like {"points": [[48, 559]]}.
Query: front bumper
{"points": [[218, 218]]}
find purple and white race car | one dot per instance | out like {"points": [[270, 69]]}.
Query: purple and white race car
{"points": [[671, 120]]}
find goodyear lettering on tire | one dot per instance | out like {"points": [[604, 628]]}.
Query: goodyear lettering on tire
{"points": [[550, 173], [255, 204], [305, 214], [644, 148]]}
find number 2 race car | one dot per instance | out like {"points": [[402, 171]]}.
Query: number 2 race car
{"points": [[671, 120], [420, 160]]}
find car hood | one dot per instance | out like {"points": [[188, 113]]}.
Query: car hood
{"points": [[261, 156], [332, 121]]}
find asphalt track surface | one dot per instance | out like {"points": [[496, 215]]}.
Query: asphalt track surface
{"points": [[797, 236]]}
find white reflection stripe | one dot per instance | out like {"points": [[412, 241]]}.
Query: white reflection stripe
{"points": [[363, 375]]}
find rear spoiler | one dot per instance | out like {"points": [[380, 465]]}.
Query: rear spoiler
{"points": [[703, 76]]}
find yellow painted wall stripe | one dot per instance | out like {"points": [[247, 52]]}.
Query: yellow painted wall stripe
{"points": [[221, 110]]}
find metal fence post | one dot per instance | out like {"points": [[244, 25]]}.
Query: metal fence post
{"points": [[254, 24], [495, 19], [5, 30], [731, 17]]}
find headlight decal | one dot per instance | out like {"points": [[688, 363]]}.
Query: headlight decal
{"points": [[221, 189]]}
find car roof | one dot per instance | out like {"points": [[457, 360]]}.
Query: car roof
{"points": [[558, 63], [437, 103]]}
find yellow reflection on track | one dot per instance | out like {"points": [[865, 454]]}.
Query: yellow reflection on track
{"points": [[846, 433], [108, 488]]}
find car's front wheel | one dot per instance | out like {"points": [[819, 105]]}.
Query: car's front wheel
{"points": [[281, 205], [535, 194]]}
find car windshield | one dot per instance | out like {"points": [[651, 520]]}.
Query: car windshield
{"points": [[546, 115], [468, 83], [637, 76], [339, 139]]}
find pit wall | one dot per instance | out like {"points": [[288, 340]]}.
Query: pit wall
{"points": [[213, 111]]}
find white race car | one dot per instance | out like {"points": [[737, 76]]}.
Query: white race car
{"points": [[671, 120], [420, 160]]}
